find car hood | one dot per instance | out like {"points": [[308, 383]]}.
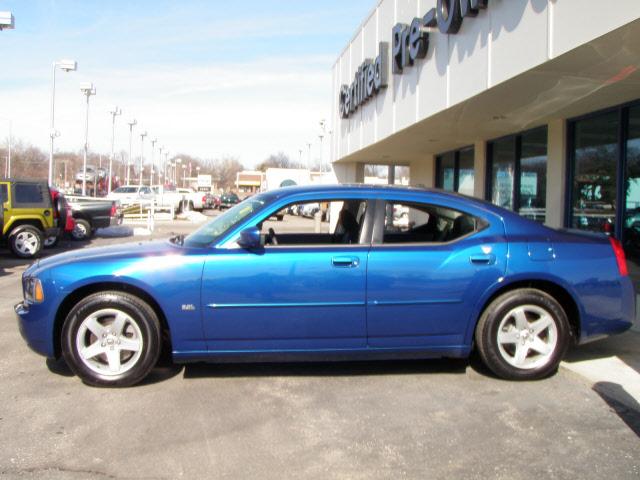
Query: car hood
{"points": [[112, 252]]}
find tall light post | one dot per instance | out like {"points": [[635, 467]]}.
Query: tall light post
{"points": [[153, 146], [115, 111], [160, 166], [166, 157], [178, 161], [142, 135], [9, 145], [309, 156], [184, 173], [132, 123], [87, 90], [321, 136], [67, 66]]}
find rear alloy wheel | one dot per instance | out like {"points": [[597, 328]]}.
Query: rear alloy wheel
{"points": [[111, 339], [25, 241], [51, 242], [523, 335], [81, 230]]}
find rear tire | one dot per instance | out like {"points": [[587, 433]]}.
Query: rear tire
{"points": [[111, 339], [523, 335], [81, 230], [25, 241]]}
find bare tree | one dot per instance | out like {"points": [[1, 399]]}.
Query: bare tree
{"points": [[278, 160]]}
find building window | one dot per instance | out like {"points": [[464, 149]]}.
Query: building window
{"points": [[455, 171], [604, 173], [517, 173]]}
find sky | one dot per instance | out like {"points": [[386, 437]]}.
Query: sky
{"points": [[207, 78]]}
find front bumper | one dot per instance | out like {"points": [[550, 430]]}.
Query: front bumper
{"points": [[33, 328]]}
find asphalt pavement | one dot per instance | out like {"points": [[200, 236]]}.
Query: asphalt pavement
{"points": [[410, 419]]}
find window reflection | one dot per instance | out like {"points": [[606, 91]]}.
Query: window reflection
{"points": [[502, 171], [594, 180], [533, 175]]}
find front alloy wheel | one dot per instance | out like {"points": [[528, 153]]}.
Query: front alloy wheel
{"points": [[523, 334], [26, 242], [111, 339]]}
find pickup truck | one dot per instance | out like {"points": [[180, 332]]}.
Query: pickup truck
{"points": [[179, 198], [91, 213]]}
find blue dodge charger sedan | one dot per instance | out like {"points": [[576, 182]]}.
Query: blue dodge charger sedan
{"points": [[377, 273]]}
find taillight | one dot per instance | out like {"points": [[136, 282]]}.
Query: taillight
{"points": [[607, 228], [204, 199], [114, 211], [621, 260]]}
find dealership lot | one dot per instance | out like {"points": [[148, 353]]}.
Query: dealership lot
{"points": [[434, 419]]}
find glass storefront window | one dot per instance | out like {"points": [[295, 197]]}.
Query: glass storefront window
{"points": [[517, 169], [455, 171], [533, 174], [466, 172], [595, 160], [503, 165], [631, 231], [446, 171]]}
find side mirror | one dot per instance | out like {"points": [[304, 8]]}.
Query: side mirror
{"points": [[250, 238]]}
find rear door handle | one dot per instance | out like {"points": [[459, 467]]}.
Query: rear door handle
{"points": [[345, 262], [489, 259]]}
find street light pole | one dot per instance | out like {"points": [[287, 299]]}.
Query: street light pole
{"points": [[87, 89], [142, 135], [67, 66], [114, 113], [153, 146], [321, 136], [309, 156], [132, 123]]}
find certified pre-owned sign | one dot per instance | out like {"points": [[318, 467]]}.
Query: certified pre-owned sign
{"points": [[410, 42]]}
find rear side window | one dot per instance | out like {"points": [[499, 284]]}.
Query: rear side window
{"points": [[424, 223], [4, 193], [28, 194]]}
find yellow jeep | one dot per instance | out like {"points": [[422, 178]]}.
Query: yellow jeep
{"points": [[27, 216]]}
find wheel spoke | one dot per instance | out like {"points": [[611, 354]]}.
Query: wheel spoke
{"points": [[510, 336], [521, 354], [540, 346], [118, 323], [92, 350], [113, 357], [130, 344], [95, 327], [542, 324], [521, 319]]}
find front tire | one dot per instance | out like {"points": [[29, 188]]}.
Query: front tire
{"points": [[25, 241], [523, 335], [111, 339]]}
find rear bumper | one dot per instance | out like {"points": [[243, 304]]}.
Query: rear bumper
{"points": [[51, 232]]}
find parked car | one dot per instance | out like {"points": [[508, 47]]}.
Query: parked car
{"points": [[213, 201], [179, 198], [228, 199], [130, 194], [90, 213], [63, 216], [464, 274], [28, 216], [92, 173]]}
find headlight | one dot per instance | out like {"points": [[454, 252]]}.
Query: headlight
{"points": [[33, 292]]}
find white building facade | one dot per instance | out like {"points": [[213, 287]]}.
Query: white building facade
{"points": [[530, 104]]}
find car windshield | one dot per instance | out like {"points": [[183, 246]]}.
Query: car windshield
{"points": [[126, 190], [214, 229]]}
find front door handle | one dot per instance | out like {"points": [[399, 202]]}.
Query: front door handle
{"points": [[489, 259], [345, 262]]}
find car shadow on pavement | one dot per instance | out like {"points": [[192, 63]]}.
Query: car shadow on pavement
{"points": [[325, 369], [623, 404], [8, 260], [163, 371]]}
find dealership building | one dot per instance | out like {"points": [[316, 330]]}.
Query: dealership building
{"points": [[531, 104]]}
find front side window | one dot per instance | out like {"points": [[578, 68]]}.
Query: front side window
{"points": [[322, 222], [425, 223], [216, 228]]}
